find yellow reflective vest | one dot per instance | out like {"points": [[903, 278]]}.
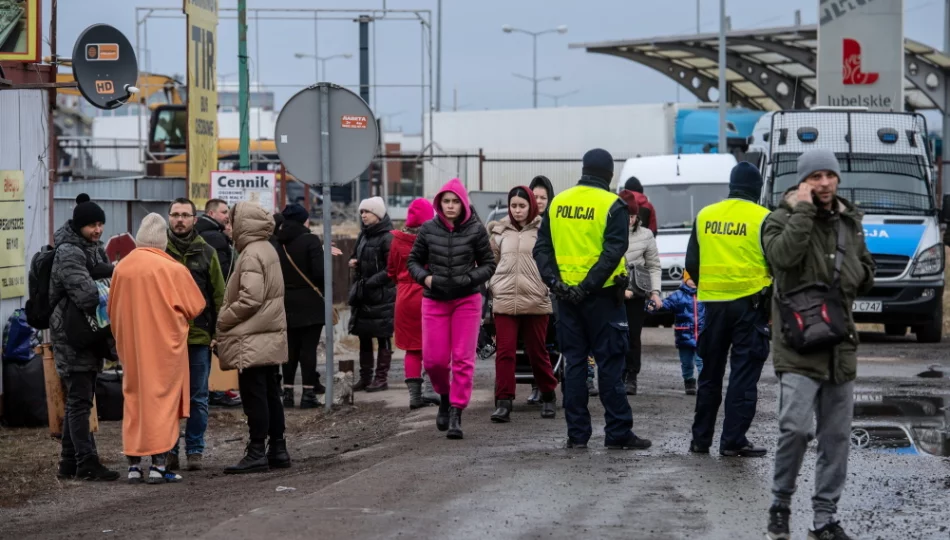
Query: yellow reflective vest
{"points": [[731, 261], [577, 218]]}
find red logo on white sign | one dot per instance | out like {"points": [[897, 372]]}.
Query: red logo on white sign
{"points": [[354, 122], [852, 73]]}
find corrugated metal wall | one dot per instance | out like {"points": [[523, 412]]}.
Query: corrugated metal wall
{"points": [[125, 201], [24, 138]]}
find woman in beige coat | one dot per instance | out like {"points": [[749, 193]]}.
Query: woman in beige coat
{"points": [[252, 337], [520, 303]]}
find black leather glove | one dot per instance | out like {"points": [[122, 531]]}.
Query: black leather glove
{"points": [[576, 295], [561, 290]]}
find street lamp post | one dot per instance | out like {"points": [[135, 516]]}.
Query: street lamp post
{"points": [[534, 36], [558, 97], [321, 61]]}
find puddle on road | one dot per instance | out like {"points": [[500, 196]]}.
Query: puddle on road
{"points": [[901, 424]]}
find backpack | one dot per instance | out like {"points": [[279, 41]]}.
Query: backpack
{"points": [[38, 308], [18, 339]]}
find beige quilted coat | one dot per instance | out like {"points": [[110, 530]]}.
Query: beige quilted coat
{"points": [[516, 287], [252, 326]]}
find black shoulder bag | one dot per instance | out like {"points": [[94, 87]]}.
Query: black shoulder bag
{"points": [[814, 316]]}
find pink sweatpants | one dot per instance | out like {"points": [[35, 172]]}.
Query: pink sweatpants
{"points": [[449, 339], [413, 364]]}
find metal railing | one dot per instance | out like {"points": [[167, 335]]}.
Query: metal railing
{"points": [[87, 157]]}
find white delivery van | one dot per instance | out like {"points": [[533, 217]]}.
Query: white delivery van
{"points": [[678, 187], [887, 172]]}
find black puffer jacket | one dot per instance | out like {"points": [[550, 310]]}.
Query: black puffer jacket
{"points": [[374, 307], [303, 305], [458, 255], [213, 234], [71, 281]]}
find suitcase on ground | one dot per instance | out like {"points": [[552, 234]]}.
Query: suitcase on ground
{"points": [[109, 398]]}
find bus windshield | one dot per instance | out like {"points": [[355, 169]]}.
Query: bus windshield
{"points": [[677, 204], [877, 184]]}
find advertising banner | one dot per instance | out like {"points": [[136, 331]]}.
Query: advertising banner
{"points": [[252, 186], [202, 97], [20, 31], [12, 235], [861, 54]]}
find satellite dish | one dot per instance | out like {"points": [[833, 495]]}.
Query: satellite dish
{"points": [[104, 66]]}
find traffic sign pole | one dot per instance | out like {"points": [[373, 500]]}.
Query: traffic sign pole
{"points": [[327, 238]]}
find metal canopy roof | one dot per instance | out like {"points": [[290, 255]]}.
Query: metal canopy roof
{"points": [[769, 69]]}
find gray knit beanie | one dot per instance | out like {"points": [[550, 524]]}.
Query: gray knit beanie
{"points": [[819, 159], [153, 233]]}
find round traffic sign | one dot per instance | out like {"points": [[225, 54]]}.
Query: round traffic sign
{"points": [[352, 131], [104, 66]]}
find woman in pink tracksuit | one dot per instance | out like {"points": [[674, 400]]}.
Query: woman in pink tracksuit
{"points": [[451, 258]]}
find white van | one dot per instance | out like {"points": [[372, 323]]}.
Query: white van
{"points": [[678, 187]]}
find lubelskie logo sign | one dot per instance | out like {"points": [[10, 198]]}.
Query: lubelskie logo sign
{"points": [[851, 66]]}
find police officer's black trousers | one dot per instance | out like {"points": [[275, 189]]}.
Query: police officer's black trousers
{"points": [[741, 325], [597, 325]]}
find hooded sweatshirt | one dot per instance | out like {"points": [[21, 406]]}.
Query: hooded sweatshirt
{"points": [[544, 182], [516, 287], [456, 253]]}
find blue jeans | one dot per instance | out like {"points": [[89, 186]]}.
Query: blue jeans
{"points": [[688, 357], [199, 369]]}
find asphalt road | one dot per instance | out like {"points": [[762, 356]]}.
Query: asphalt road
{"points": [[516, 481]]}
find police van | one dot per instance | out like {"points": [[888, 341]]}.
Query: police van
{"points": [[887, 172], [678, 187]]}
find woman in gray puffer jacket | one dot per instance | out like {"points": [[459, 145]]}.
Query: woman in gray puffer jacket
{"points": [[641, 253]]}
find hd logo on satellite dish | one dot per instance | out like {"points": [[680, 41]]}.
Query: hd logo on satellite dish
{"points": [[876, 233]]}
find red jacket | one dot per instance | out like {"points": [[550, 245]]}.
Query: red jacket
{"points": [[408, 316], [645, 205]]}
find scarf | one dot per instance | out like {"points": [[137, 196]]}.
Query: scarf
{"points": [[182, 243]]}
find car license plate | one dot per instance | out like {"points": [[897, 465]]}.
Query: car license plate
{"points": [[866, 306]]}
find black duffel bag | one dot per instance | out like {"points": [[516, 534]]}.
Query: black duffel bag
{"points": [[814, 316], [24, 393], [109, 399]]}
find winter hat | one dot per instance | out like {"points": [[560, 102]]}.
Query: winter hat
{"points": [[87, 212], [745, 178], [153, 233], [420, 211], [633, 184], [598, 162], [819, 159], [630, 198], [295, 212], [374, 205]]}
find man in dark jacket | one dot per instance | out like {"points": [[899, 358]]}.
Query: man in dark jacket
{"points": [[647, 212], [186, 247], [374, 302], [79, 256], [580, 255], [799, 237], [301, 262], [211, 226]]}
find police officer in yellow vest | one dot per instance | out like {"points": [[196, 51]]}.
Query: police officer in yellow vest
{"points": [[726, 260], [579, 253]]}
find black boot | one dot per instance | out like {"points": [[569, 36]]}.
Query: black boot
{"points": [[690, 387], [535, 396], [381, 382], [442, 419], [288, 397], [630, 384], [415, 393], [254, 460], [502, 414], [366, 371], [428, 394], [309, 399], [67, 470], [90, 469], [277, 456], [548, 405], [455, 424]]}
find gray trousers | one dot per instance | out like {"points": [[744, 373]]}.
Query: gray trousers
{"points": [[800, 400]]}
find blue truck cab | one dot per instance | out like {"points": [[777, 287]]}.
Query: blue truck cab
{"points": [[887, 172]]}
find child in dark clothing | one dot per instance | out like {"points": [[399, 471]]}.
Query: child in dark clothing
{"points": [[689, 316]]}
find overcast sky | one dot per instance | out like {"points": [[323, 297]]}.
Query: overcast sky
{"points": [[478, 58]]}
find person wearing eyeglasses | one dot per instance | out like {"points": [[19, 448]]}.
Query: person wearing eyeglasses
{"points": [[186, 246]]}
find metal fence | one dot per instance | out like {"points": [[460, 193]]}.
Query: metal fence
{"points": [[82, 158]]}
